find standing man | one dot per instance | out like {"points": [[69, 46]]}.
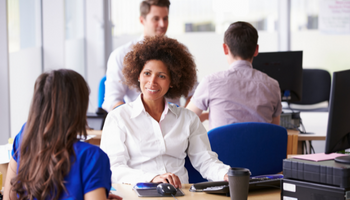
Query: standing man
{"points": [[241, 93], [154, 18]]}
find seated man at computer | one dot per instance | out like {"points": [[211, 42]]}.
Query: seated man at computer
{"points": [[241, 93]]}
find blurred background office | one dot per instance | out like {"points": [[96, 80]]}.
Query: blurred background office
{"points": [[40, 35]]}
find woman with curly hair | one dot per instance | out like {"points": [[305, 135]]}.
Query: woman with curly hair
{"points": [[48, 161], [147, 140]]}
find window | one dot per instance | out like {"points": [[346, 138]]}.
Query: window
{"points": [[320, 50], [200, 25], [198, 15], [25, 56], [74, 36]]}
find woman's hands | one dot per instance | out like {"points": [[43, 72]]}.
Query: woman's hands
{"points": [[168, 178], [226, 177]]}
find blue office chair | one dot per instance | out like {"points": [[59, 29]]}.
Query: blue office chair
{"points": [[316, 89], [96, 120], [260, 147], [101, 92], [193, 175]]}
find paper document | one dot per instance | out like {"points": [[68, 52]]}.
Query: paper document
{"points": [[88, 137], [319, 156]]}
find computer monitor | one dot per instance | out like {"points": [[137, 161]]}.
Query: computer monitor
{"points": [[285, 67], [338, 131]]}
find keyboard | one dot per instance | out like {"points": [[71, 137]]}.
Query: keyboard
{"points": [[255, 183]]}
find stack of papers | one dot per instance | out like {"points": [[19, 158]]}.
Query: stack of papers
{"points": [[319, 156]]}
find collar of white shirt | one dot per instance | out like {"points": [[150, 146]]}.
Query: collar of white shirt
{"points": [[138, 108], [241, 63]]}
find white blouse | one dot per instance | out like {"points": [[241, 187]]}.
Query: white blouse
{"points": [[140, 148]]}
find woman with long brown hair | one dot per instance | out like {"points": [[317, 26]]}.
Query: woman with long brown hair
{"points": [[48, 161]]}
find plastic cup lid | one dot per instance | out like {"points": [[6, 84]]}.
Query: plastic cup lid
{"points": [[237, 171]]}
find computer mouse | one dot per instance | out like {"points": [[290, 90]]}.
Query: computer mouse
{"points": [[166, 189]]}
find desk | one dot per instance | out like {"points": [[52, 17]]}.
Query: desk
{"points": [[294, 140], [300, 139], [315, 136], [3, 170], [127, 193], [95, 140]]}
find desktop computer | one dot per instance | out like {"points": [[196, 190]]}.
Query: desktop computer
{"points": [[305, 180], [325, 179], [95, 121], [290, 119], [302, 190]]}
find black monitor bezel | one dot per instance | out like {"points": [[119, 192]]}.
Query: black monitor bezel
{"points": [[295, 74], [338, 129]]}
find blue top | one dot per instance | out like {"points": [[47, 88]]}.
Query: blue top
{"points": [[91, 169]]}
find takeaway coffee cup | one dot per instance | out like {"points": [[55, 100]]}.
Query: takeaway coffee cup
{"points": [[238, 179]]}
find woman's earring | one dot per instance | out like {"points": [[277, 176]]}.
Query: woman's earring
{"points": [[138, 80]]}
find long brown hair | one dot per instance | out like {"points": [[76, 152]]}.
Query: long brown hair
{"points": [[57, 115]]}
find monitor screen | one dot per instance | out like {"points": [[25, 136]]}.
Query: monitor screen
{"points": [[338, 131], [286, 68]]}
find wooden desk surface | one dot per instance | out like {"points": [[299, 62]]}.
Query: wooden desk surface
{"points": [[301, 137], [294, 147], [94, 132], [127, 193]]}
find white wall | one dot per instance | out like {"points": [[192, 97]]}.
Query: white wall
{"points": [[95, 48], [53, 34], [206, 47], [26, 64], [330, 52], [208, 51], [25, 67], [25, 61], [74, 55]]}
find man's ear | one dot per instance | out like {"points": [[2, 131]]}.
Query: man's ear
{"points": [[256, 50], [142, 20], [226, 49]]}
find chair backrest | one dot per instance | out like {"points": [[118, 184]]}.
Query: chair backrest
{"points": [[316, 86], [193, 175], [260, 147], [101, 92]]}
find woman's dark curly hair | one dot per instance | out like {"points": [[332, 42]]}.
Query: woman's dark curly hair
{"points": [[172, 53]]}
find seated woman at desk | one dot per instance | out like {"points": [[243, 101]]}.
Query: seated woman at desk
{"points": [[147, 140], [49, 162]]}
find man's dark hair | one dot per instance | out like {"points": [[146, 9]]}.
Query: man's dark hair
{"points": [[145, 6], [241, 38]]}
